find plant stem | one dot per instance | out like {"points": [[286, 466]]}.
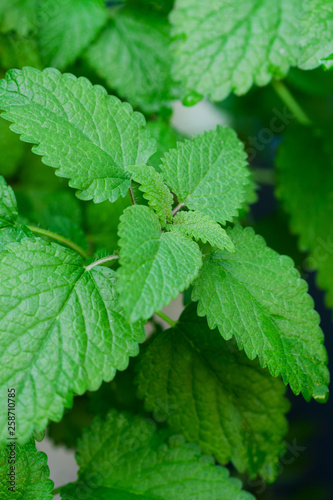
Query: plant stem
{"points": [[101, 261], [57, 490], [166, 318], [177, 208], [61, 239], [290, 101], [132, 196]]}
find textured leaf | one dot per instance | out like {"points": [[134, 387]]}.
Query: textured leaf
{"points": [[209, 173], [62, 331], [67, 28], [305, 165], [128, 459], [133, 56], [316, 36], [224, 46], [31, 474], [258, 296], [215, 396], [14, 234], [8, 205], [155, 191], [155, 266], [201, 227], [88, 136], [166, 138]]}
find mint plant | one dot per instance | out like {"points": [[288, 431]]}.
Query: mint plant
{"points": [[156, 214]]}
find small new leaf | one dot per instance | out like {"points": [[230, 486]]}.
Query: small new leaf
{"points": [[209, 391], [8, 205], [62, 331], [154, 265], [31, 473], [201, 227], [209, 173], [257, 296], [88, 136], [129, 459], [155, 191], [67, 28]]}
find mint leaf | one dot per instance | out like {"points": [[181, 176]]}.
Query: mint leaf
{"points": [[14, 234], [67, 28], [228, 46], [63, 331], [166, 138], [201, 227], [223, 401], [316, 34], [257, 296], [209, 173], [155, 266], [154, 190], [305, 186], [18, 16], [128, 459], [8, 205], [31, 474], [133, 57], [88, 136]]}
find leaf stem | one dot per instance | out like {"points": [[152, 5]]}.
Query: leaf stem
{"points": [[177, 208], [132, 196], [61, 239], [290, 101], [101, 261], [166, 318], [57, 490]]}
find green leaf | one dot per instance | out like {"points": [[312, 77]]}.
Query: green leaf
{"points": [[128, 459], [258, 296], [209, 173], [88, 136], [215, 396], [305, 186], [225, 46], [201, 227], [316, 34], [133, 57], [18, 16], [155, 191], [67, 28], [8, 205], [31, 473], [11, 150], [18, 51], [62, 331], [155, 266], [166, 138], [14, 234]]}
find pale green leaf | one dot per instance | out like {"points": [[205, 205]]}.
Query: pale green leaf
{"points": [[201, 227], [133, 56], [62, 331], [8, 205], [31, 473], [305, 187], [215, 396], [209, 173], [154, 190], [67, 28], [127, 458], [88, 136], [257, 296], [154, 265], [223, 46], [316, 38]]}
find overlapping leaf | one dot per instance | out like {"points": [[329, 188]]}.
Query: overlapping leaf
{"points": [[166, 138], [201, 227], [133, 56], [215, 396], [258, 297], [127, 458], [209, 173], [227, 46], [31, 473], [155, 265], [8, 205], [67, 28], [62, 331], [88, 136]]}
